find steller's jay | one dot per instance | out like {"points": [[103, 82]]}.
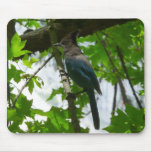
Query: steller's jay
{"points": [[79, 69]]}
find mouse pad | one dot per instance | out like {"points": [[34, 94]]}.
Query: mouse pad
{"points": [[75, 76]]}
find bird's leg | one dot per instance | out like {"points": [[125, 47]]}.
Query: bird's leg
{"points": [[63, 73]]}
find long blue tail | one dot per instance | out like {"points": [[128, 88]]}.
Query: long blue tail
{"points": [[94, 109]]}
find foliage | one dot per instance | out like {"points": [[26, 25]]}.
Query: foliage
{"points": [[130, 121], [130, 39], [55, 92], [29, 23], [16, 47]]}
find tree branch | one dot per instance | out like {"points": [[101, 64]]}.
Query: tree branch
{"points": [[70, 97], [40, 39], [103, 42], [9, 100], [114, 99], [10, 30], [118, 74], [14, 102], [8, 92], [127, 75], [123, 91]]}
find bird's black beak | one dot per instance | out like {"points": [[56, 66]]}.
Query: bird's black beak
{"points": [[57, 44]]}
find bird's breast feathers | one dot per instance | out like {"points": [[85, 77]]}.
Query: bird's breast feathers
{"points": [[82, 58]]}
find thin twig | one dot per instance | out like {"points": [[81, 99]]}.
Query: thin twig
{"points": [[118, 74], [8, 94], [15, 86], [127, 75], [8, 98], [87, 113], [28, 80], [8, 91], [9, 101], [123, 91], [109, 57], [10, 32], [114, 99], [19, 67]]}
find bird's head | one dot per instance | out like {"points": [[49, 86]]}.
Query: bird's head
{"points": [[69, 40]]}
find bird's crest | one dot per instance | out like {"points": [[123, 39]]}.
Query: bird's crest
{"points": [[74, 34], [71, 36]]}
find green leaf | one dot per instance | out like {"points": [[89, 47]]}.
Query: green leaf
{"points": [[135, 115], [14, 127], [130, 121], [55, 92], [32, 23], [11, 114], [58, 118], [28, 61], [16, 47], [44, 53], [31, 86], [39, 112], [37, 82], [142, 93], [14, 74], [23, 105]]}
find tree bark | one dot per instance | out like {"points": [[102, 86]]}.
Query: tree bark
{"points": [[114, 99], [123, 91], [10, 30], [66, 84], [39, 40]]}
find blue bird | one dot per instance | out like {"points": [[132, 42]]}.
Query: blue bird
{"points": [[79, 69]]}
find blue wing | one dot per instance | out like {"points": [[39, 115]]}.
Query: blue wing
{"points": [[82, 73]]}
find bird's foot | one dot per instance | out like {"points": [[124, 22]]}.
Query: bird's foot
{"points": [[63, 73]]}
